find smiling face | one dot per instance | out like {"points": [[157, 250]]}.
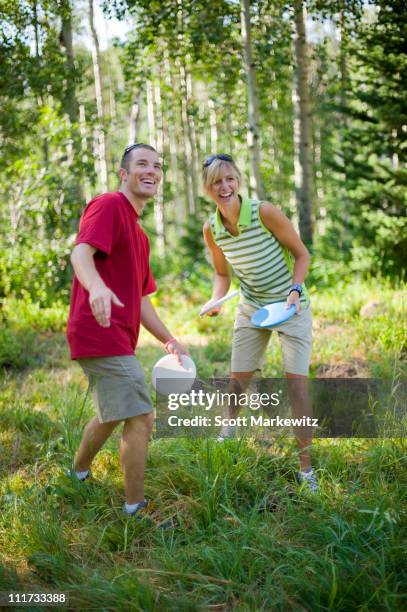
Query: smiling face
{"points": [[141, 178], [223, 187]]}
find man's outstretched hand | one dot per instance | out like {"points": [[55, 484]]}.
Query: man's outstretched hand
{"points": [[101, 299]]}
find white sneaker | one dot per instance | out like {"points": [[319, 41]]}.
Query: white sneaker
{"points": [[227, 433], [309, 480], [140, 506], [73, 474]]}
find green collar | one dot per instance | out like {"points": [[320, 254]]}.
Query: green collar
{"points": [[245, 217]]}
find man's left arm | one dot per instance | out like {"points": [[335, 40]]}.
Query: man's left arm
{"points": [[152, 323]]}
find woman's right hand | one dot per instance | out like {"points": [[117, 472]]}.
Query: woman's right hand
{"points": [[213, 312]]}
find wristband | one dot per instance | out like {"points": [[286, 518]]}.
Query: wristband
{"points": [[168, 343], [296, 287]]}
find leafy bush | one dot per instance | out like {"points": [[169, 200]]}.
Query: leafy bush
{"points": [[37, 272], [381, 246], [18, 348], [20, 345], [25, 314]]}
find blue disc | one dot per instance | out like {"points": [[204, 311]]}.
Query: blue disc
{"points": [[260, 316], [273, 315]]}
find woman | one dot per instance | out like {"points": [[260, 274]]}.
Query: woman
{"points": [[256, 239]]}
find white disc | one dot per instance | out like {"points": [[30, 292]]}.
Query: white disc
{"points": [[168, 376]]}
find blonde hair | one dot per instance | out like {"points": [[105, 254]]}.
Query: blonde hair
{"points": [[212, 173]]}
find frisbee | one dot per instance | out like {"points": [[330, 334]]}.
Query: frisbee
{"points": [[219, 302], [273, 315], [168, 376]]}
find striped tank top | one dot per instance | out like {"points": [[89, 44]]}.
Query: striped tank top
{"points": [[262, 265]]}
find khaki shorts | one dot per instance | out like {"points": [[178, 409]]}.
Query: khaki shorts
{"points": [[250, 342], [118, 387]]}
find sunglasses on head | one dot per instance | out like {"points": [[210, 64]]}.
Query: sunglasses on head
{"points": [[138, 145], [131, 147], [221, 156]]}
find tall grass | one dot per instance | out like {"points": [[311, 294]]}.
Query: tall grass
{"points": [[343, 549]]}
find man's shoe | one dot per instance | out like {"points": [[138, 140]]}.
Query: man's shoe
{"points": [[142, 513], [73, 474]]}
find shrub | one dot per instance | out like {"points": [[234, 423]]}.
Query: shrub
{"points": [[18, 348], [25, 314]]}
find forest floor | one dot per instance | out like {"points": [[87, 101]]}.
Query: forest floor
{"points": [[341, 549]]}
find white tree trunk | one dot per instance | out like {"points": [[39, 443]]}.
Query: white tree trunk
{"points": [[253, 137], [156, 139], [72, 106], [188, 147], [171, 126], [97, 72], [183, 188], [110, 81], [150, 113], [134, 119], [159, 199], [295, 202], [71, 101], [303, 140], [202, 133], [341, 154], [213, 126], [84, 149], [192, 131]]}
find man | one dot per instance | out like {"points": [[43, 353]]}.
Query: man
{"points": [[109, 300]]}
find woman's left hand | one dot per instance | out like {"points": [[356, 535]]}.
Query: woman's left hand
{"points": [[294, 298]]}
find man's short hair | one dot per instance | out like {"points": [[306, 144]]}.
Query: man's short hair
{"points": [[125, 161]]}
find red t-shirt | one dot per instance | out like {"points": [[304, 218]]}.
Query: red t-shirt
{"points": [[110, 224]]}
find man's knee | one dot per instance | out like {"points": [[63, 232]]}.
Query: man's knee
{"points": [[149, 421], [142, 422]]}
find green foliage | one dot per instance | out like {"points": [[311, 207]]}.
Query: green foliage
{"points": [[358, 117], [191, 249], [41, 273], [369, 222], [382, 246], [39, 216], [185, 268], [40, 186], [18, 348], [24, 326], [72, 536], [26, 314]]}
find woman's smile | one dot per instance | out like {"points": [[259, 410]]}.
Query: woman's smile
{"points": [[225, 189]]}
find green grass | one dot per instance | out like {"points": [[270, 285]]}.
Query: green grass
{"points": [[341, 550]]}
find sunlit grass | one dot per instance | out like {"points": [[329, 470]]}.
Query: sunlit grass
{"points": [[342, 550]]}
